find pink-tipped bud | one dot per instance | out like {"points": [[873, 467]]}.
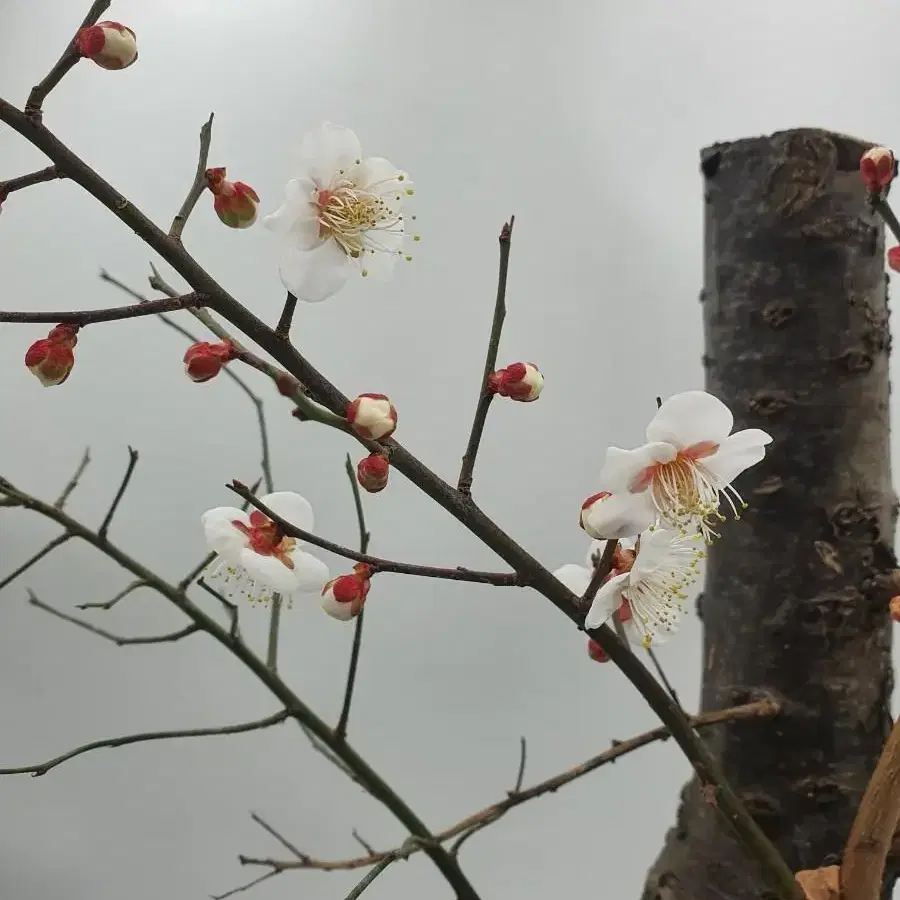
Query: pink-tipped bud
{"points": [[372, 416], [109, 44], [893, 258], [203, 361], [596, 652], [51, 358], [235, 203], [520, 381], [343, 597], [895, 608], [588, 506], [372, 472], [877, 168]]}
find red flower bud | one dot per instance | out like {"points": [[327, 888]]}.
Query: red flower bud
{"points": [[51, 359], [235, 203], [519, 381], [895, 608], [203, 361], [109, 44], [344, 596], [877, 168], [596, 652], [372, 472], [372, 416]]}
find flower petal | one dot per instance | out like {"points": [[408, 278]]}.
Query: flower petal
{"points": [[343, 612], [297, 219], [291, 507], [690, 418], [622, 468], [380, 176], [326, 150], [311, 572], [738, 452], [575, 578], [654, 553], [314, 275], [221, 535], [607, 601], [620, 515], [269, 572]]}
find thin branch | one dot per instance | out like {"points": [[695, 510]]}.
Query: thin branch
{"points": [[369, 878], [274, 623], [233, 628], [43, 768], [56, 542], [601, 571], [120, 493], [363, 843], [759, 709], [113, 314], [883, 208], [662, 675], [523, 758], [499, 579], [283, 328], [862, 868], [73, 481], [69, 58], [277, 835], [198, 185], [109, 604], [247, 886], [51, 173], [340, 730], [466, 473], [116, 639]]}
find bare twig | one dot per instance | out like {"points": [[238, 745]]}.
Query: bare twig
{"points": [[499, 579], [73, 481], [363, 843], [43, 768], [485, 396], [120, 493], [23, 181], [662, 675], [862, 868], [274, 623], [49, 548], [68, 59], [109, 604], [523, 758], [883, 208], [113, 314], [759, 709], [117, 639], [601, 570], [283, 328], [198, 185], [246, 887], [340, 730], [270, 829], [369, 878], [233, 629]]}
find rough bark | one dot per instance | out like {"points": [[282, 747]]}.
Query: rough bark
{"points": [[797, 342]]}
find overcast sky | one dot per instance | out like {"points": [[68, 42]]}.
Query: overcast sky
{"points": [[585, 120]]}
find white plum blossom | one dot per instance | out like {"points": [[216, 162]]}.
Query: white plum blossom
{"points": [[689, 460], [256, 560], [606, 516], [342, 213]]}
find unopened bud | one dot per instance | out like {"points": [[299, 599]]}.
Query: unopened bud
{"points": [[372, 416], [893, 258], [895, 608], [109, 44], [877, 168], [343, 597], [235, 203], [596, 652], [203, 361], [605, 516], [51, 358], [372, 472], [519, 381]]}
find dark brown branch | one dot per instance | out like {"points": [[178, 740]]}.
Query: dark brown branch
{"points": [[601, 571], [116, 639], [759, 709], [43, 768], [68, 59], [199, 184], [369, 878], [23, 181], [283, 328], [73, 481], [49, 548], [466, 472], [114, 314], [340, 731], [499, 579], [120, 493], [883, 208]]}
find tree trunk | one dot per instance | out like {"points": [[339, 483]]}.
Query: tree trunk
{"points": [[797, 343]]}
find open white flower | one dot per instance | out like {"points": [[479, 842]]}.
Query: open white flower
{"points": [[649, 596], [690, 458], [256, 559], [341, 213]]}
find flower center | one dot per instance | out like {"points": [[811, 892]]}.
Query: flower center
{"points": [[349, 213], [265, 538]]}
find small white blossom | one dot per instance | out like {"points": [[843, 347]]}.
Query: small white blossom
{"points": [[689, 460], [611, 516], [255, 559], [341, 213]]}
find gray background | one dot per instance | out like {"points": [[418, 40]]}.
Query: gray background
{"points": [[585, 120]]}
